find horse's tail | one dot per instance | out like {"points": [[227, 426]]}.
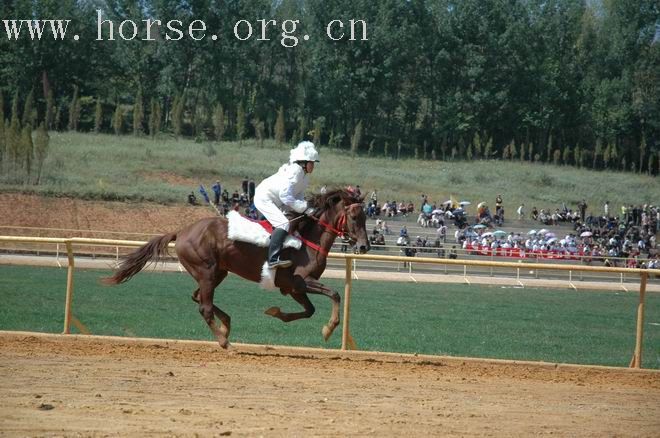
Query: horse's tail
{"points": [[151, 251]]}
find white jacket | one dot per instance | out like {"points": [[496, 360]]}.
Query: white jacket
{"points": [[286, 188]]}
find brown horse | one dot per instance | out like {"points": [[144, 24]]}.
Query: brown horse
{"points": [[209, 255]]}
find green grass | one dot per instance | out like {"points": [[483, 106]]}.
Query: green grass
{"points": [[458, 320], [111, 167]]}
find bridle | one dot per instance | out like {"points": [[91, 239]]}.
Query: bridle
{"points": [[340, 229]]}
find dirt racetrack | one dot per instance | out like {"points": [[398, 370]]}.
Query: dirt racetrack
{"points": [[55, 385]]}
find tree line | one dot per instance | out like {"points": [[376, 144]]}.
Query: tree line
{"points": [[572, 82]]}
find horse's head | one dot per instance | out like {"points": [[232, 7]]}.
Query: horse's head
{"points": [[355, 228], [344, 211]]}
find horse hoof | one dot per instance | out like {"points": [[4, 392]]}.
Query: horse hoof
{"points": [[326, 332], [224, 345], [273, 311]]}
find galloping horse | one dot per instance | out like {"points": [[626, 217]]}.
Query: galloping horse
{"points": [[209, 255]]}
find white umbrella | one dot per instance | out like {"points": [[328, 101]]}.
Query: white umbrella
{"points": [[499, 233], [438, 211], [447, 202], [553, 240], [543, 231], [488, 234], [481, 204], [586, 234], [531, 232], [464, 203], [550, 235], [479, 226]]}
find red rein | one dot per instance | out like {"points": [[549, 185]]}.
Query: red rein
{"points": [[338, 232]]}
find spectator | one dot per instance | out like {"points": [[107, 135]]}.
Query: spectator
{"points": [[192, 199], [452, 253], [377, 238], [244, 185], [582, 206], [535, 213], [251, 189], [606, 208], [521, 212], [217, 192], [441, 233], [374, 197]]}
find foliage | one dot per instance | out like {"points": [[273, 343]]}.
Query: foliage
{"points": [[29, 111], [178, 108], [241, 121], [533, 74], [98, 116], [74, 110], [155, 117], [118, 119], [41, 143], [259, 131], [219, 122], [356, 139], [138, 114], [26, 152], [280, 127]]}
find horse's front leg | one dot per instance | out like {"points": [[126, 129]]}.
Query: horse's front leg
{"points": [[313, 286]]}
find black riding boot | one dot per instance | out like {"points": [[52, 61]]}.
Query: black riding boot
{"points": [[275, 248]]}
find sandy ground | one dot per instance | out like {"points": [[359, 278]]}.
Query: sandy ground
{"points": [[59, 217], [54, 385]]}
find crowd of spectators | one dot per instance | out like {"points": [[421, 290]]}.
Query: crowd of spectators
{"points": [[241, 200], [625, 239], [630, 234]]}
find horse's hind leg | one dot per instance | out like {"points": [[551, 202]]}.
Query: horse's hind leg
{"points": [[225, 320], [208, 310]]}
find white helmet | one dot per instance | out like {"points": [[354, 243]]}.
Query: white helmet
{"points": [[305, 151]]}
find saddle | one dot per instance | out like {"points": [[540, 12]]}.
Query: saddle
{"points": [[257, 233]]}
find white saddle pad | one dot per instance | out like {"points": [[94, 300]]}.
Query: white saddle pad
{"points": [[245, 230]]}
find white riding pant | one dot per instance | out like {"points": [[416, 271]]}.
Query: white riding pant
{"points": [[272, 212]]}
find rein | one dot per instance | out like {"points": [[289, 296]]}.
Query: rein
{"points": [[339, 231], [327, 228]]}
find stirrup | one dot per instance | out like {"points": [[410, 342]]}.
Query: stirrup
{"points": [[279, 264]]}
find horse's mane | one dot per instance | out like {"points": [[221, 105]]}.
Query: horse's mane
{"points": [[326, 201], [329, 199]]}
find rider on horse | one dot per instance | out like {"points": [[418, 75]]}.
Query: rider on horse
{"points": [[285, 191]]}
